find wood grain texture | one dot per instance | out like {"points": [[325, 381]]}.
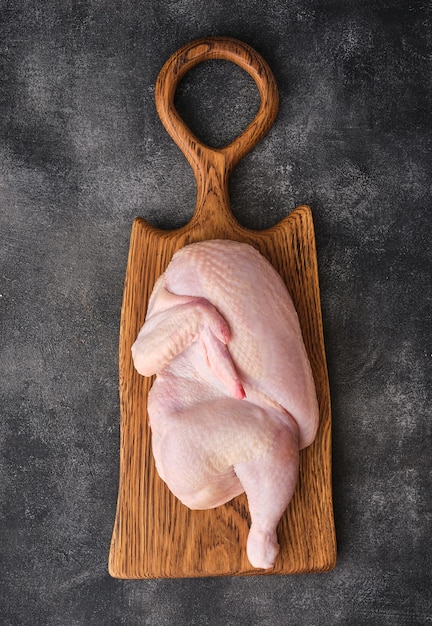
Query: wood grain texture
{"points": [[154, 534]]}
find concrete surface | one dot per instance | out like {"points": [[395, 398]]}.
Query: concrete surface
{"points": [[82, 153]]}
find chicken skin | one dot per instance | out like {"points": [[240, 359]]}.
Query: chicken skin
{"points": [[234, 398]]}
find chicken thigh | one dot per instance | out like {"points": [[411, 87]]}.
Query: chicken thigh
{"points": [[234, 398]]}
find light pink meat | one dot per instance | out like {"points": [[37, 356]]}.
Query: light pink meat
{"points": [[234, 399]]}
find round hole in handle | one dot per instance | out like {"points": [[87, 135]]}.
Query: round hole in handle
{"points": [[217, 100], [207, 49]]}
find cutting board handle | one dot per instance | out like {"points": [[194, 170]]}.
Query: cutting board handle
{"points": [[212, 166]]}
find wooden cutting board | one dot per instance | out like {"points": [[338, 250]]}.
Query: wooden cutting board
{"points": [[154, 534]]}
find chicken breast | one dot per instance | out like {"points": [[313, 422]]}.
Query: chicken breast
{"points": [[234, 398]]}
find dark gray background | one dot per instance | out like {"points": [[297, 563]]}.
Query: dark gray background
{"points": [[82, 153]]}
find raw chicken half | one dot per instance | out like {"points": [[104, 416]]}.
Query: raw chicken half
{"points": [[234, 398]]}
